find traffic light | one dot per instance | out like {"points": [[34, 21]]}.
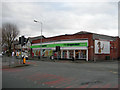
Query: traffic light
{"points": [[19, 40], [57, 48], [22, 40]]}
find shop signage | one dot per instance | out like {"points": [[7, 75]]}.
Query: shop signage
{"points": [[102, 47], [81, 44]]}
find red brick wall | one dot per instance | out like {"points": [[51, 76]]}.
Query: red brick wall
{"points": [[115, 49], [64, 37], [101, 56], [90, 48], [114, 52], [119, 48], [76, 36]]}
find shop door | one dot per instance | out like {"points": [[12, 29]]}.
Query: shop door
{"points": [[80, 54], [71, 52]]}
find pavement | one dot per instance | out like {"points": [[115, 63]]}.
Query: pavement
{"points": [[10, 62], [70, 61]]}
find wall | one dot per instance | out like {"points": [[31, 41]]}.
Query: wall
{"points": [[118, 48], [114, 52], [72, 37]]}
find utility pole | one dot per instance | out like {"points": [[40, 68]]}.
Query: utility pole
{"points": [[40, 37]]}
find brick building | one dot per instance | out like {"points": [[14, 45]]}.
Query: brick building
{"points": [[82, 46]]}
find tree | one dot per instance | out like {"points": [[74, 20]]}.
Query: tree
{"points": [[9, 33]]}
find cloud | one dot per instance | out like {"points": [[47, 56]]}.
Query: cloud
{"points": [[62, 17]]}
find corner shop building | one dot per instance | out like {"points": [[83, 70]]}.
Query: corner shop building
{"points": [[82, 46]]}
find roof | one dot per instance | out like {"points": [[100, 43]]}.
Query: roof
{"points": [[83, 32], [98, 36], [95, 36], [35, 38]]}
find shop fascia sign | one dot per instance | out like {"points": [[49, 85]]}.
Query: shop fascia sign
{"points": [[81, 44]]}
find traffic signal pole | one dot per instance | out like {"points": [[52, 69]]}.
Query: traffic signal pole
{"points": [[22, 41], [21, 51]]}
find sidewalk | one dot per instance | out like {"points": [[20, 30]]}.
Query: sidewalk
{"points": [[59, 60], [10, 62], [70, 61]]}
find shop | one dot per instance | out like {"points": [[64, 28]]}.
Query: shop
{"points": [[68, 49], [80, 46]]}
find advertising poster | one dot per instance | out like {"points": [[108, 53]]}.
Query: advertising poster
{"points": [[102, 47]]}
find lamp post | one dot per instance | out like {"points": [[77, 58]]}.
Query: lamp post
{"points": [[41, 36]]}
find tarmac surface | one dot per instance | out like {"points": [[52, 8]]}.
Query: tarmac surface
{"points": [[60, 74]]}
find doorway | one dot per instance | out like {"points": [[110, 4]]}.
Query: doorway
{"points": [[80, 54]]}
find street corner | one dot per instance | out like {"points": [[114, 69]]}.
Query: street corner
{"points": [[14, 66], [21, 65]]}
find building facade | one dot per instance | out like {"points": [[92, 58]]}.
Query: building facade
{"points": [[82, 46]]}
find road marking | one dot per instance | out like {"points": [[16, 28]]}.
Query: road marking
{"points": [[35, 65], [35, 82], [95, 86], [51, 86], [106, 86], [69, 86], [43, 84], [115, 72], [84, 86], [66, 83]]}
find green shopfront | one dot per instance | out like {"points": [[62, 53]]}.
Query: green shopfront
{"points": [[68, 49]]}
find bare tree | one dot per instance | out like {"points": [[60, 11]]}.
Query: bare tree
{"points": [[9, 33]]}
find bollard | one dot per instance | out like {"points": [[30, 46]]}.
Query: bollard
{"points": [[24, 60]]}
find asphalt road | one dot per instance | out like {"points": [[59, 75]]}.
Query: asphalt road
{"points": [[0, 72], [41, 74]]}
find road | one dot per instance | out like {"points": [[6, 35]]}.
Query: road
{"points": [[41, 74], [0, 72]]}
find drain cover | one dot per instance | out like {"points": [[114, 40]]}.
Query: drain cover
{"points": [[93, 82]]}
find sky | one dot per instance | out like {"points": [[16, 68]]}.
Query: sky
{"points": [[60, 18]]}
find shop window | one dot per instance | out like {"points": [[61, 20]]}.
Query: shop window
{"points": [[64, 54], [71, 52], [36, 53], [80, 54]]}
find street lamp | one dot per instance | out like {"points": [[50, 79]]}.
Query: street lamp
{"points": [[41, 35]]}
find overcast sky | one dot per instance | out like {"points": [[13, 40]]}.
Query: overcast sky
{"points": [[62, 17]]}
